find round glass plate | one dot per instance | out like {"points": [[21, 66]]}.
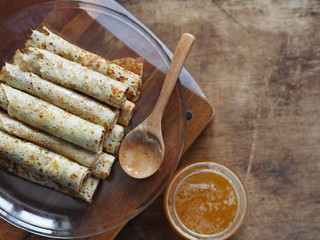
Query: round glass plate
{"points": [[119, 198]]}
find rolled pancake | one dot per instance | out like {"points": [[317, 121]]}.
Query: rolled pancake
{"points": [[87, 192], [72, 75], [53, 120], [55, 44], [3, 99], [69, 100], [89, 188], [57, 145], [103, 168], [112, 143], [126, 113], [100, 164], [39, 160], [134, 65]]}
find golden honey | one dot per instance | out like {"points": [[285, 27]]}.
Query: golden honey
{"points": [[206, 203], [205, 200]]}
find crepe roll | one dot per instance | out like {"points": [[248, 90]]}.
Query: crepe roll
{"points": [[134, 65], [126, 113], [69, 100], [39, 160], [3, 100], [112, 143], [87, 192], [89, 188], [103, 168], [57, 145], [72, 75], [53, 120], [55, 44]]}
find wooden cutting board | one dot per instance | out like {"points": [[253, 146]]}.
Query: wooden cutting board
{"points": [[199, 110]]}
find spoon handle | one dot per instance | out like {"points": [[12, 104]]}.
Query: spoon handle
{"points": [[181, 53]]}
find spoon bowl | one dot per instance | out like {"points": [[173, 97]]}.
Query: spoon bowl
{"points": [[142, 150], [146, 147]]}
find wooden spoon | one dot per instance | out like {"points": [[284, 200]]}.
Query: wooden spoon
{"points": [[142, 150]]}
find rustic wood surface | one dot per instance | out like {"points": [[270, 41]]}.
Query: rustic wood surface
{"points": [[258, 63]]}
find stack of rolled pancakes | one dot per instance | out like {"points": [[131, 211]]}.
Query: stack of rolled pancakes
{"points": [[64, 113]]}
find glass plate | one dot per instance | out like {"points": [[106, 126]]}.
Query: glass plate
{"points": [[119, 198]]}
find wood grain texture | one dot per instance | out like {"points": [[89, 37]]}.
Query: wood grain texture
{"points": [[258, 62]]}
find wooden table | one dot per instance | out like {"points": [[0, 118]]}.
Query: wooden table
{"points": [[258, 63]]}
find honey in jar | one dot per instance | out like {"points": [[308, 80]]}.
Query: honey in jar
{"points": [[205, 200]]}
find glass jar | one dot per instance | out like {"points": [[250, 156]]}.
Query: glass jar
{"points": [[205, 200]]}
